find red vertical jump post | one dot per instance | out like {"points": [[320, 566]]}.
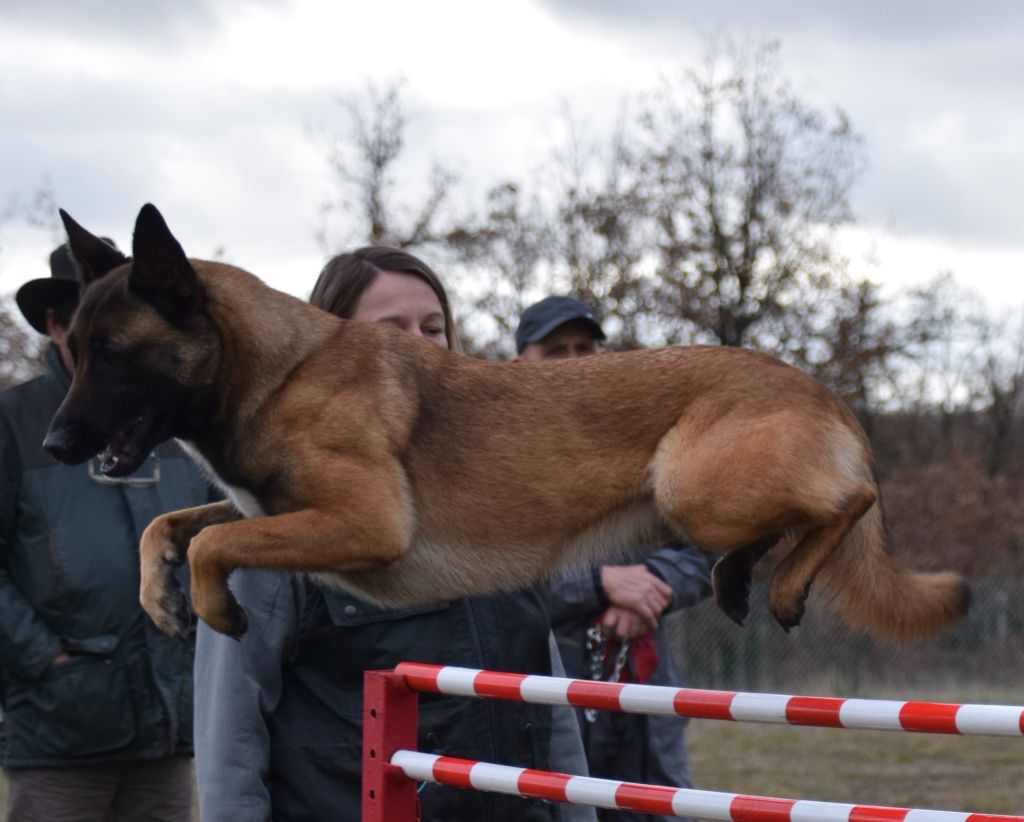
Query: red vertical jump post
{"points": [[389, 725]]}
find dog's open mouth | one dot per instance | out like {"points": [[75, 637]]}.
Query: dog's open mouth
{"points": [[124, 452]]}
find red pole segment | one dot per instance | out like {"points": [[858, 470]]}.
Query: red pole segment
{"points": [[389, 725], [830, 712], [656, 799]]}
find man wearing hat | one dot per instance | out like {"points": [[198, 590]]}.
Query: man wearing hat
{"points": [[607, 621], [97, 702], [49, 302]]}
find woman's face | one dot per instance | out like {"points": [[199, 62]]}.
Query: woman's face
{"points": [[404, 301]]}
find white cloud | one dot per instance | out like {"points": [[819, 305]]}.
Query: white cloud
{"points": [[203, 108], [899, 261]]}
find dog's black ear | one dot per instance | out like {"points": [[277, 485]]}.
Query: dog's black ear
{"points": [[161, 273], [93, 257]]}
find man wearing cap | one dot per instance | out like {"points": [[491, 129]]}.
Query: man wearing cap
{"points": [[607, 621], [97, 702]]}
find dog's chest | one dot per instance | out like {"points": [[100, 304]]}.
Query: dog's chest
{"points": [[243, 500]]}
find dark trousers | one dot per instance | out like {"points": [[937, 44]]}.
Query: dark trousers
{"points": [[158, 790]]}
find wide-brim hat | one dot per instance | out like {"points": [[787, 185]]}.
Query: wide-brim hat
{"points": [[61, 287]]}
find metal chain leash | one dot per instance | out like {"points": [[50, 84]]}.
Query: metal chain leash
{"points": [[597, 643]]}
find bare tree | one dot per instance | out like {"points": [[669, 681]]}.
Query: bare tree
{"points": [[41, 211], [938, 378], [1001, 372], [746, 184], [599, 240], [20, 350], [850, 343], [501, 254], [578, 233], [363, 156], [708, 215]]}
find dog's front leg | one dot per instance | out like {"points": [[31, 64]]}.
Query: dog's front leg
{"points": [[357, 538], [163, 548]]}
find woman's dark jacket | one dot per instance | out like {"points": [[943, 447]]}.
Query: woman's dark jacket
{"points": [[279, 714]]}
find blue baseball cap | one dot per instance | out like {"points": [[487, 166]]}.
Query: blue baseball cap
{"points": [[541, 318]]}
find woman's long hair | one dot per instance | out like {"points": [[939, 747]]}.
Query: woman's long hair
{"points": [[346, 276]]}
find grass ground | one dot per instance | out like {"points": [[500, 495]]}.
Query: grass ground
{"points": [[951, 773]]}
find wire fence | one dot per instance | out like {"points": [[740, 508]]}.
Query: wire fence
{"points": [[980, 658]]}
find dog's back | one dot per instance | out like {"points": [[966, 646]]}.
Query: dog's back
{"points": [[575, 461]]}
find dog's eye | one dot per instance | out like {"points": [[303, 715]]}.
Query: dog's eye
{"points": [[103, 350]]}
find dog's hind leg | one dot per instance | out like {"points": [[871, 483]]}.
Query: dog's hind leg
{"points": [[732, 575], [734, 483], [791, 580]]}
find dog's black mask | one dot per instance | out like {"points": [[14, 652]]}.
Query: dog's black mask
{"points": [[133, 339]]}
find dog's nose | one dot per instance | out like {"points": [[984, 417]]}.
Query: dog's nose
{"points": [[60, 441]]}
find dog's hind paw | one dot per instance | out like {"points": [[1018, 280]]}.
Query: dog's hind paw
{"points": [[736, 609], [731, 585], [791, 614]]}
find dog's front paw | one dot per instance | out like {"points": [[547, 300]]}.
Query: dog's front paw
{"points": [[162, 542], [164, 600], [230, 620], [239, 620], [160, 592]]}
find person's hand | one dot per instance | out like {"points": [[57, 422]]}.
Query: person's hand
{"points": [[622, 623], [63, 656], [636, 588]]}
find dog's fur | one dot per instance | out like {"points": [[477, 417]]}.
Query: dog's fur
{"points": [[406, 473]]}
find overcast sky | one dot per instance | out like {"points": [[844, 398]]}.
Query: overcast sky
{"points": [[210, 111]]}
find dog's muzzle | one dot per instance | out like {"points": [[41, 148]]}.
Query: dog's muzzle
{"points": [[71, 442]]}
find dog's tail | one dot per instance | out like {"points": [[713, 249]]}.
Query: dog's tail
{"points": [[874, 593]]}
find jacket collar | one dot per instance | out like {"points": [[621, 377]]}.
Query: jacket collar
{"points": [[55, 369]]}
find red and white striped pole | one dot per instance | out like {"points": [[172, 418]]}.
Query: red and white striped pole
{"points": [[829, 712], [627, 796]]}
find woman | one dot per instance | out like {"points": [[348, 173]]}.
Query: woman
{"points": [[278, 714]]}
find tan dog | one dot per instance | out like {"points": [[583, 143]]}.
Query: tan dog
{"points": [[406, 473]]}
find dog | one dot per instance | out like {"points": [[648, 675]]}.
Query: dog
{"points": [[406, 473]]}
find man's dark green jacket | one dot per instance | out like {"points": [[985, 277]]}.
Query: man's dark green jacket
{"points": [[69, 581]]}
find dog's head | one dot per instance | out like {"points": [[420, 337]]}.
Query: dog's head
{"points": [[144, 348]]}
